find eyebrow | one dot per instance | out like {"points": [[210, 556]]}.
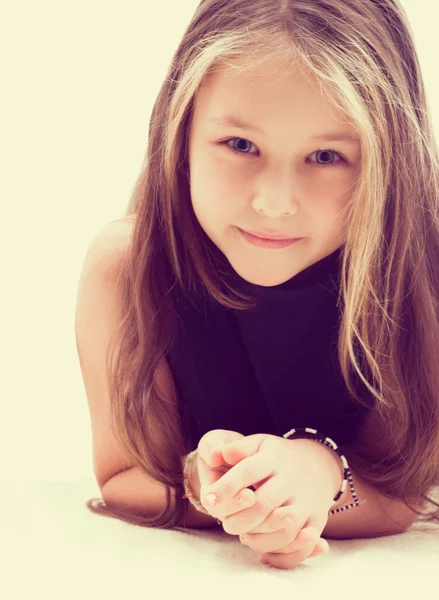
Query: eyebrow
{"points": [[333, 136]]}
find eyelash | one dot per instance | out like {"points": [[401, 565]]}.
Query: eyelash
{"points": [[226, 142]]}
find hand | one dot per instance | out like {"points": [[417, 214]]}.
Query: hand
{"points": [[204, 473], [274, 450], [291, 478]]}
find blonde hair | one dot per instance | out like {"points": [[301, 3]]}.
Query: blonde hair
{"points": [[363, 56]]}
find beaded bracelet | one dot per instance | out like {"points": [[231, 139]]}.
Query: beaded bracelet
{"points": [[300, 430], [188, 494]]}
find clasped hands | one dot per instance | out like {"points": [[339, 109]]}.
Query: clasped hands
{"points": [[283, 518]]}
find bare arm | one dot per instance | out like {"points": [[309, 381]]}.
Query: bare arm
{"points": [[132, 492], [378, 516], [98, 314]]}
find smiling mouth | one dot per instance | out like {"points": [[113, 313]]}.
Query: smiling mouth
{"points": [[263, 236], [255, 240]]}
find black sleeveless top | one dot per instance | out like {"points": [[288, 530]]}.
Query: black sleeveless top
{"points": [[269, 368]]}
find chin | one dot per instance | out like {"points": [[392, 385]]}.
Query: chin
{"points": [[264, 279], [267, 281]]}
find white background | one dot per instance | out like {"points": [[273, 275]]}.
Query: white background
{"points": [[78, 82]]}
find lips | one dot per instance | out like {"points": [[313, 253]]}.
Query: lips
{"points": [[273, 243], [270, 236]]}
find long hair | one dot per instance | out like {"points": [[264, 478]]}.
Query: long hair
{"points": [[364, 58]]}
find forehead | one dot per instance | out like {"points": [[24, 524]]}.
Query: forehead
{"points": [[272, 93]]}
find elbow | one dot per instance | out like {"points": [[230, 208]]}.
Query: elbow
{"points": [[402, 516], [407, 521], [370, 523], [365, 531]]}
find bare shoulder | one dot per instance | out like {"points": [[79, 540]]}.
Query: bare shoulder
{"points": [[109, 246]]}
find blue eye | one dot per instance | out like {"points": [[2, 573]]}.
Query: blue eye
{"points": [[333, 164]]}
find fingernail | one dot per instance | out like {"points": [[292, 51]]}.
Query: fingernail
{"points": [[210, 499]]}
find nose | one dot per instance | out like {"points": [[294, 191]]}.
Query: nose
{"points": [[276, 200], [272, 213]]}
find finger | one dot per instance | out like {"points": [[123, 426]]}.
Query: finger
{"points": [[211, 471], [230, 455], [288, 560], [216, 437], [322, 547], [319, 523], [243, 500], [303, 544], [249, 471], [273, 542], [279, 529], [275, 523], [215, 457], [279, 519], [269, 542], [208, 475], [243, 447], [236, 450], [267, 498]]}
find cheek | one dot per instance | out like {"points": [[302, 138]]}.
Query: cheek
{"points": [[214, 200], [333, 197], [211, 211], [337, 218], [328, 214]]}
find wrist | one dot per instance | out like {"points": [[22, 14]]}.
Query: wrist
{"points": [[336, 467], [192, 492], [331, 464], [193, 480]]}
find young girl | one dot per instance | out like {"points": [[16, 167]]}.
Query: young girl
{"points": [[279, 271]]}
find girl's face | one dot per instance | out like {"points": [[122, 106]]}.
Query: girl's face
{"points": [[269, 175]]}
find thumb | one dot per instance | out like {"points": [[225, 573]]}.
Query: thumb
{"points": [[216, 438], [236, 450]]}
